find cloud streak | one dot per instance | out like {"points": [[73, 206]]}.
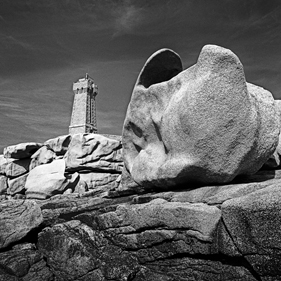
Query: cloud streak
{"points": [[127, 17]]}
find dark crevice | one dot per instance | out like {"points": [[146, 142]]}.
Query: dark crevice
{"points": [[6, 270], [133, 275], [138, 148], [226, 260], [137, 130], [102, 208], [159, 136], [30, 237], [45, 259], [247, 264]]}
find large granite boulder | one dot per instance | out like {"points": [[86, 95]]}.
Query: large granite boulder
{"points": [[204, 124], [17, 219], [21, 150], [93, 152], [48, 180]]}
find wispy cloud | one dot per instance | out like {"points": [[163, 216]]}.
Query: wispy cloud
{"points": [[127, 17], [9, 41]]}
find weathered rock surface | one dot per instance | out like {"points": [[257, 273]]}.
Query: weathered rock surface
{"points": [[16, 168], [3, 184], [59, 144], [100, 182], [16, 185], [22, 150], [202, 124], [17, 218], [3, 163], [43, 155], [25, 262], [94, 152], [252, 222], [223, 232], [47, 180]]}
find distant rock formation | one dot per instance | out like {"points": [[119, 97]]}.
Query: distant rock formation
{"points": [[204, 124], [66, 164]]}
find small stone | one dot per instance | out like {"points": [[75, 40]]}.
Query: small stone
{"points": [[16, 185]]}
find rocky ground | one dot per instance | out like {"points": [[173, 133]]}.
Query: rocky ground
{"points": [[220, 232]]}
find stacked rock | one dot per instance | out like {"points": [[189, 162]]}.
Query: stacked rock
{"points": [[14, 167], [63, 165]]}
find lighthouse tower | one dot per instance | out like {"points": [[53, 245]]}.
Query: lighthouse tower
{"points": [[83, 118]]}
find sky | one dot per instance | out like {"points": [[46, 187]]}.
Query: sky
{"points": [[46, 45]]}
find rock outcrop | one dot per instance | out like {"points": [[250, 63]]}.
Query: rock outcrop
{"points": [[223, 232], [94, 152], [22, 150], [59, 144], [204, 124], [18, 217], [48, 180], [67, 164]]}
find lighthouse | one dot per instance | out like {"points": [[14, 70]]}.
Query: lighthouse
{"points": [[83, 118]]}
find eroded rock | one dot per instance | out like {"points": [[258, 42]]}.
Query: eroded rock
{"points": [[199, 220], [16, 185], [25, 262], [101, 183], [47, 180], [43, 155], [22, 150], [202, 124], [59, 144], [17, 218], [3, 184], [17, 167], [251, 221], [94, 152]]}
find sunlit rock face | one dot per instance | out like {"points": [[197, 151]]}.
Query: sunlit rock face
{"points": [[204, 124]]}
